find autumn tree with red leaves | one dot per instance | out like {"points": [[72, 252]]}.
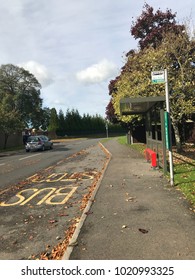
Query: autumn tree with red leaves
{"points": [[150, 27], [163, 44], [110, 114]]}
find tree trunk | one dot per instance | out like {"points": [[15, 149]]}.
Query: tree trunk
{"points": [[177, 136]]}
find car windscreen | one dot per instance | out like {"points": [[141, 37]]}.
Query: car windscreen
{"points": [[33, 139]]}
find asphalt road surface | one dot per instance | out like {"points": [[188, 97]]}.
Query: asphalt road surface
{"points": [[43, 196], [17, 166]]}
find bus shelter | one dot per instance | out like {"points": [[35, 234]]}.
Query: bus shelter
{"points": [[152, 109]]}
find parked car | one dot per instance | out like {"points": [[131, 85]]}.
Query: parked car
{"points": [[38, 142]]}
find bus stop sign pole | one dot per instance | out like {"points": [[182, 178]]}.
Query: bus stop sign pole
{"points": [[159, 77], [168, 129]]}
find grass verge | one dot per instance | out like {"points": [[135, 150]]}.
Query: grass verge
{"points": [[140, 147], [184, 178]]}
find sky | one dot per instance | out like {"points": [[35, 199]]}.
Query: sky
{"points": [[75, 47]]}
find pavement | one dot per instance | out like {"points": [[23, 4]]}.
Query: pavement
{"points": [[134, 215]]}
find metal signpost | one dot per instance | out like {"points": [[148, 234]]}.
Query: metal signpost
{"points": [[169, 128], [162, 77], [106, 130], [167, 136]]}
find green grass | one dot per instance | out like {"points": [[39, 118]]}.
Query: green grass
{"points": [[139, 147], [122, 140], [184, 172], [136, 146], [184, 178]]}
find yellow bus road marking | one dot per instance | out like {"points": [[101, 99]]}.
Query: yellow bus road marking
{"points": [[30, 156], [11, 187], [32, 176], [54, 196], [64, 177]]}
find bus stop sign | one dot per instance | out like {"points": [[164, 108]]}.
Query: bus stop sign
{"points": [[158, 77]]}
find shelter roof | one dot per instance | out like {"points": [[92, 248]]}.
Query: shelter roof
{"points": [[139, 105]]}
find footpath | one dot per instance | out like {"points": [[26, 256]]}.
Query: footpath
{"points": [[136, 215]]}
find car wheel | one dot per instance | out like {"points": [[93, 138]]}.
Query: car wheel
{"points": [[27, 151]]}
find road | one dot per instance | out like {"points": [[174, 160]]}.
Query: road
{"points": [[43, 195], [20, 165]]}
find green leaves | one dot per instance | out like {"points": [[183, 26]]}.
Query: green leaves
{"points": [[20, 91], [20, 99]]}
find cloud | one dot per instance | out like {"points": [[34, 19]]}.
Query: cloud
{"points": [[39, 71], [97, 73], [59, 102]]}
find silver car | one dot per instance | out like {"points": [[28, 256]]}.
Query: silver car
{"points": [[38, 142]]}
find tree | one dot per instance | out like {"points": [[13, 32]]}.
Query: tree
{"points": [[160, 48], [110, 114], [181, 66], [61, 131], [23, 88], [135, 81], [150, 27], [178, 59], [10, 119], [20, 99], [73, 122], [53, 123], [43, 119]]}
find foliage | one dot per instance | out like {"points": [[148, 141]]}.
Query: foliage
{"points": [[23, 89], [185, 179], [72, 123], [150, 27], [135, 79], [181, 68], [175, 51], [10, 122], [20, 99], [110, 114], [61, 124], [45, 115], [53, 122]]}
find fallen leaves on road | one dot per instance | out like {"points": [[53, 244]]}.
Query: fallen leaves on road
{"points": [[63, 215], [130, 199], [124, 226], [88, 212], [142, 230], [53, 221], [58, 251], [87, 196]]}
